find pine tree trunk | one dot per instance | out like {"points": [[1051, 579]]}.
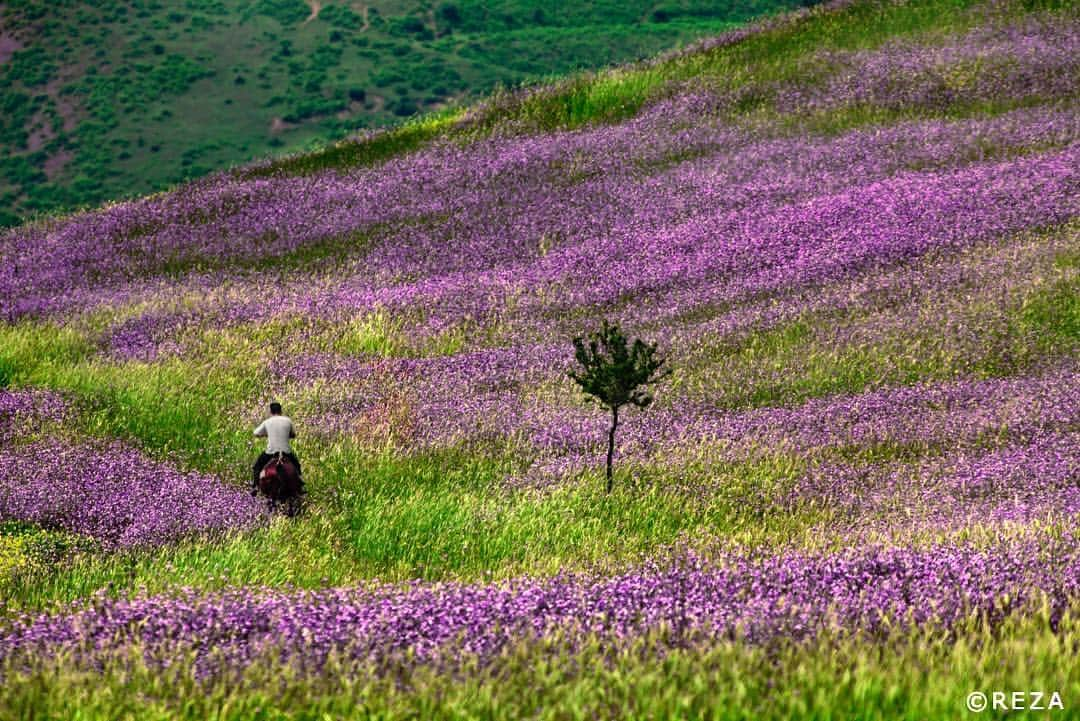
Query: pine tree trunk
{"points": [[611, 444]]}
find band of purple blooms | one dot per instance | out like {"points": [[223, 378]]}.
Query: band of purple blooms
{"points": [[753, 597], [25, 406], [1035, 57], [1023, 483]]}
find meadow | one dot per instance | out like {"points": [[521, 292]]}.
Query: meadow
{"points": [[853, 232]]}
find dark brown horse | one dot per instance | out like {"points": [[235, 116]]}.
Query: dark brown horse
{"points": [[280, 483]]}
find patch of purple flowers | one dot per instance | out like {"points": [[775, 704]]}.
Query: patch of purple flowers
{"points": [[116, 495]]}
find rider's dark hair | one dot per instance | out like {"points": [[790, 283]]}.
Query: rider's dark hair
{"points": [[275, 407]]}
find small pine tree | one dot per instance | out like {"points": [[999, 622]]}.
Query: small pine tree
{"points": [[616, 373]]}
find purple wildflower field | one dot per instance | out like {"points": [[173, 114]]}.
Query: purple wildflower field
{"points": [[873, 327]]}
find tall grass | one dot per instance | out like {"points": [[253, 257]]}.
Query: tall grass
{"points": [[440, 516]]}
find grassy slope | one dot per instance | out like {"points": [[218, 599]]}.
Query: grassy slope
{"points": [[384, 527], [115, 99], [153, 405]]}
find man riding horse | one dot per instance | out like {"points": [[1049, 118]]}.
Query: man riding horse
{"points": [[277, 429]]}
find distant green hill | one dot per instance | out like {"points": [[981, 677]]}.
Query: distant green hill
{"points": [[123, 98]]}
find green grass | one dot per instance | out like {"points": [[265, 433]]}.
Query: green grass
{"points": [[322, 253], [788, 366], [845, 118], [1053, 311], [28, 347], [373, 334], [369, 151], [27, 551]]}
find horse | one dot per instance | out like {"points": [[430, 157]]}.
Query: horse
{"points": [[280, 483]]}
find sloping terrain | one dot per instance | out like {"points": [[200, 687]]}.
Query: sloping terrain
{"points": [[108, 100], [853, 232]]}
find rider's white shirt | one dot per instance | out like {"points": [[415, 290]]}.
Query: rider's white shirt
{"points": [[277, 430]]}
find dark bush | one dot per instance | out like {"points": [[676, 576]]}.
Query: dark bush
{"points": [[666, 13], [411, 25], [449, 14], [32, 66], [325, 57], [305, 108], [405, 107]]}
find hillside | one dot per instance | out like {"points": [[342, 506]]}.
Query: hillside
{"points": [[853, 232], [111, 100]]}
